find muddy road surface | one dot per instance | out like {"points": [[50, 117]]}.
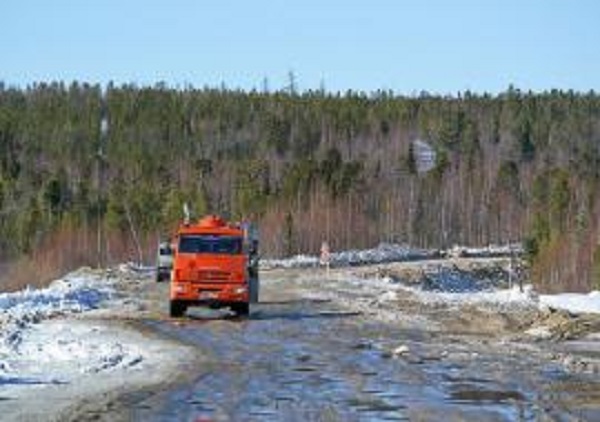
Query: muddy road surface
{"points": [[332, 347]]}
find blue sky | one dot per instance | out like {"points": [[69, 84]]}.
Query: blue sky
{"points": [[441, 46]]}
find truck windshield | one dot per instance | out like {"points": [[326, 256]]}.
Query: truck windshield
{"points": [[210, 244]]}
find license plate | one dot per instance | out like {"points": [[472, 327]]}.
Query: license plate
{"points": [[208, 295]]}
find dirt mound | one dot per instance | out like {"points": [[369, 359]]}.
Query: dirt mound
{"points": [[561, 325], [455, 276]]}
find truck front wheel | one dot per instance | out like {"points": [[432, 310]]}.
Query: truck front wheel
{"points": [[177, 309]]}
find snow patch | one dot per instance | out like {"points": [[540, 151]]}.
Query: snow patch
{"points": [[460, 288], [501, 298], [385, 252], [541, 332], [452, 286], [134, 267], [298, 261], [392, 252], [388, 296], [50, 360], [63, 350], [576, 303], [489, 251], [77, 292]]}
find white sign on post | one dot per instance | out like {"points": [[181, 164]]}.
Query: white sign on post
{"points": [[325, 255]]}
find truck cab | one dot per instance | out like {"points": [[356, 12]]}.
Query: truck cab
{"points": [[215, 265]]}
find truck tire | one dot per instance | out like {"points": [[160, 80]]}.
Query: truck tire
{"points": [[177, 309], [241, 309]]}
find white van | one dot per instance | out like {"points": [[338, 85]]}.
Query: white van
{"points": [[164, 261]]}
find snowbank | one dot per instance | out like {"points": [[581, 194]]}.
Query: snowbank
{"points": [[490, 251], [391, 252], [461, 288], [575, 303], [298, 261], [500, 298], [446, 285], [79, 291], [133, 267], [60, 350], [59, 364], [385, 252], [49, 364]]}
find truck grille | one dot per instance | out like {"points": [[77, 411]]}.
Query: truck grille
{"points": [[213, 275]]}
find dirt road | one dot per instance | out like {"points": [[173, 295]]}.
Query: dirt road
{"points": [[336, 348]]}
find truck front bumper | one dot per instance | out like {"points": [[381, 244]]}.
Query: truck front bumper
{"points": [[209, 293]]}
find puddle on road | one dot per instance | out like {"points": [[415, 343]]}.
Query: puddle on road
{"points": [[305, 369], [379, 408], [477, 396], [464, 379]]}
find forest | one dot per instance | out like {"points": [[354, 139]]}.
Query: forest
{"points": [[91, 174]]}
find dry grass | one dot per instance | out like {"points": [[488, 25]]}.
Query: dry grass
{"points": [[67, 249]]}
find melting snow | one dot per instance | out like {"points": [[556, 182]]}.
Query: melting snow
{"points": [[385, 252], [391, 252], [22, 344], [76, 292], [499, 298], [71, 358], [446, 286], [573, 302]]}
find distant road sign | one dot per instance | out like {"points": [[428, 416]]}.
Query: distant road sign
{"points": [[325, 254], [424, 156]]}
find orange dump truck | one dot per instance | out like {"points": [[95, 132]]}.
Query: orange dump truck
{"points": [[215, 264]]}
